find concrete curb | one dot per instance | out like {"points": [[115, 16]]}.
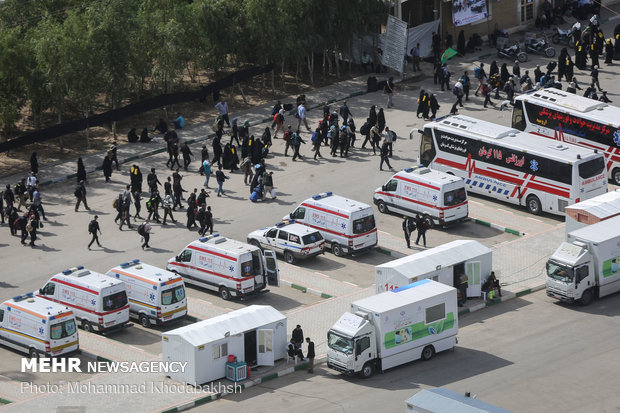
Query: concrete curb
{"points": [[304, 289], [391, 253], [499, 227], [502, 299], [93, 356], [4, 401]]}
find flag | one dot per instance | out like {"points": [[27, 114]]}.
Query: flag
{"points": [[450, 52]]}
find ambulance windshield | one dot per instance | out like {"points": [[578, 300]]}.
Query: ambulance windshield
{"points": [[62, 330], [114, 301]]}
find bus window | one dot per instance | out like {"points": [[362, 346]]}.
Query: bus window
{"points": [[427, 147], [518, 122]]}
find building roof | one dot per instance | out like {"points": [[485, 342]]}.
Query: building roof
{"points": [[602, 206], [442, 400]]}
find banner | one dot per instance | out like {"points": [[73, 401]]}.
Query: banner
{"points": [[394, 44], [449, 53], [422, 34], [468, 11]]}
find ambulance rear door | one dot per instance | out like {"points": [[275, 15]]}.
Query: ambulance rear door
{"points": [[271, 268]]}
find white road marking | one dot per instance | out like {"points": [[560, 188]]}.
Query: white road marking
{"points": [[354, 285], [322, 275], [534, 219]]}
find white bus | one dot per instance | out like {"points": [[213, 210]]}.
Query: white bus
{"points": [[515, 167], [566, 117]]}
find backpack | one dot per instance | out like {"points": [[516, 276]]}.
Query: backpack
{"points": [[19, 189], [365, 129], [484, 89], [78, 191], [274, 111], [477, 72], [115, 203], [91, 227], [394, 136], [315, 136], [141, 230], [455, 91], [287, 136]]}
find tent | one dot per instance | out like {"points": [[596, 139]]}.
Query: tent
{"points": [[442, 400], [442, 263], [592, 210], [255, 334]]}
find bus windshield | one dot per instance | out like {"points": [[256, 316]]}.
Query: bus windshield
{"points": [[591, 168], [560, 272], [62, 330], [114, 301], [454, 197], [173, 295], [339, 343]]}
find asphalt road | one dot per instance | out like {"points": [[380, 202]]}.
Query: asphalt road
{"points": [[530, 354]]}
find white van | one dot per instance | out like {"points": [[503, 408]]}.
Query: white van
{"points": [[99, 303], [440, 197], [155, 295], [36, 326], [232, 268], [348, 226]]}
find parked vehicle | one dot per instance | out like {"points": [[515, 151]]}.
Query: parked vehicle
{"points": [[512, 52], [294, 241], [232, 268], [99, 302], [563, 37], [587, 265], [392, 328], [37, 327], [541, 47], [156, 296]]}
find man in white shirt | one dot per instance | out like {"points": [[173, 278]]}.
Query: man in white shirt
{"points": [[301, 117], [222, 107], [389, 139], [31, 183]]}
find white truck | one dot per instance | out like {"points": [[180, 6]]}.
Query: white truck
{"points": [[586, 266], [392, 328]]}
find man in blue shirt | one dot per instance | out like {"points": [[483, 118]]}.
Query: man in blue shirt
{"points": [[415, 53], [179, 122]]}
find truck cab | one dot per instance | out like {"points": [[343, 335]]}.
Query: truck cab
{"points": [[352, 346], [571, 274]]}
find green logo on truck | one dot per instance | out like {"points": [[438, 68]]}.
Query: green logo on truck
{"points": [[417, 331]]}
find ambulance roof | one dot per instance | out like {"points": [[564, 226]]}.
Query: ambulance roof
{"points": [[562, 101], [443, 255], [403, 296], [330, 200], [511, 138], [228, 325], [427, 175], [37, 306], [83, 277], [225, 245], [602, 206], [146, 272]]}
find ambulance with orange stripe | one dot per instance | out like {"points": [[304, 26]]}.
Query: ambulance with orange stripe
{"points": [[439, 197], [230, 267], [99, 302], [38, 327], [347, 225], [512, 166], [156, 296]]}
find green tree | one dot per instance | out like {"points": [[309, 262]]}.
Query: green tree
{"points": [[12, 90]]}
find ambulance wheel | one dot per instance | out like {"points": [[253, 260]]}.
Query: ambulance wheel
{"points": [[224, 293], [616, 176], [586, 297], [367, 370], [33, 353], [533, 205], [382, 207], [255, 243], [144, 321], [289, 257], [337, 250], [428, 353], [86, 326]]}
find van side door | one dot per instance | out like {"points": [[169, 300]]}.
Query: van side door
{"points": [[271, 268]]}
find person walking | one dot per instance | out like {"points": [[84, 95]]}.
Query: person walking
{"points": [[220, 178], [301, 116], [408, 229], [80, 194], [21, 193], [201, 216], [389, 89], [434, 106], [268, 185], [125, 205], [421, 225], [310, 354], [481, 75], [389, 139], [81, 171], [316, 142], [8, 197], [152, 181], [94, 230], [278, 123], [22, 224], [462, 287], [177, 192], [217, 150], [144, 230], [152, 206], [136, 178], [208, 221], [345, 113], [137, 197], [114, 154], [296, 141], [445, 77], [385, 151], [222, 108], [415, 53], [32, 226], [167, 203], [37, 202], [187, 155], [107, 167], [34, 163], [466, 84]]}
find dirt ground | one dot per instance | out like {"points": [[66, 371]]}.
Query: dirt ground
{"points": [[74, 145]]}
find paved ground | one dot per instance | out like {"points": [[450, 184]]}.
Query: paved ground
{"points": [[518, 260]]}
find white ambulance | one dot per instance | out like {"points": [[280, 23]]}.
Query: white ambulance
{"points": [[99, 303], [233, 268], [155, 295], [348, 226], [36, 326], [440, 197]]}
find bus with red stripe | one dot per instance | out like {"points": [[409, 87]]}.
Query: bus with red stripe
{"points": [[347, 225], [439, 197], [99, 302], [513, 166], [566, 117], [230, 267], [38, 327], [156, 296]]}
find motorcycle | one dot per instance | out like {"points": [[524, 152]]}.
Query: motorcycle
{"points": [[511, 52], [540, 46], [563, 36]]}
